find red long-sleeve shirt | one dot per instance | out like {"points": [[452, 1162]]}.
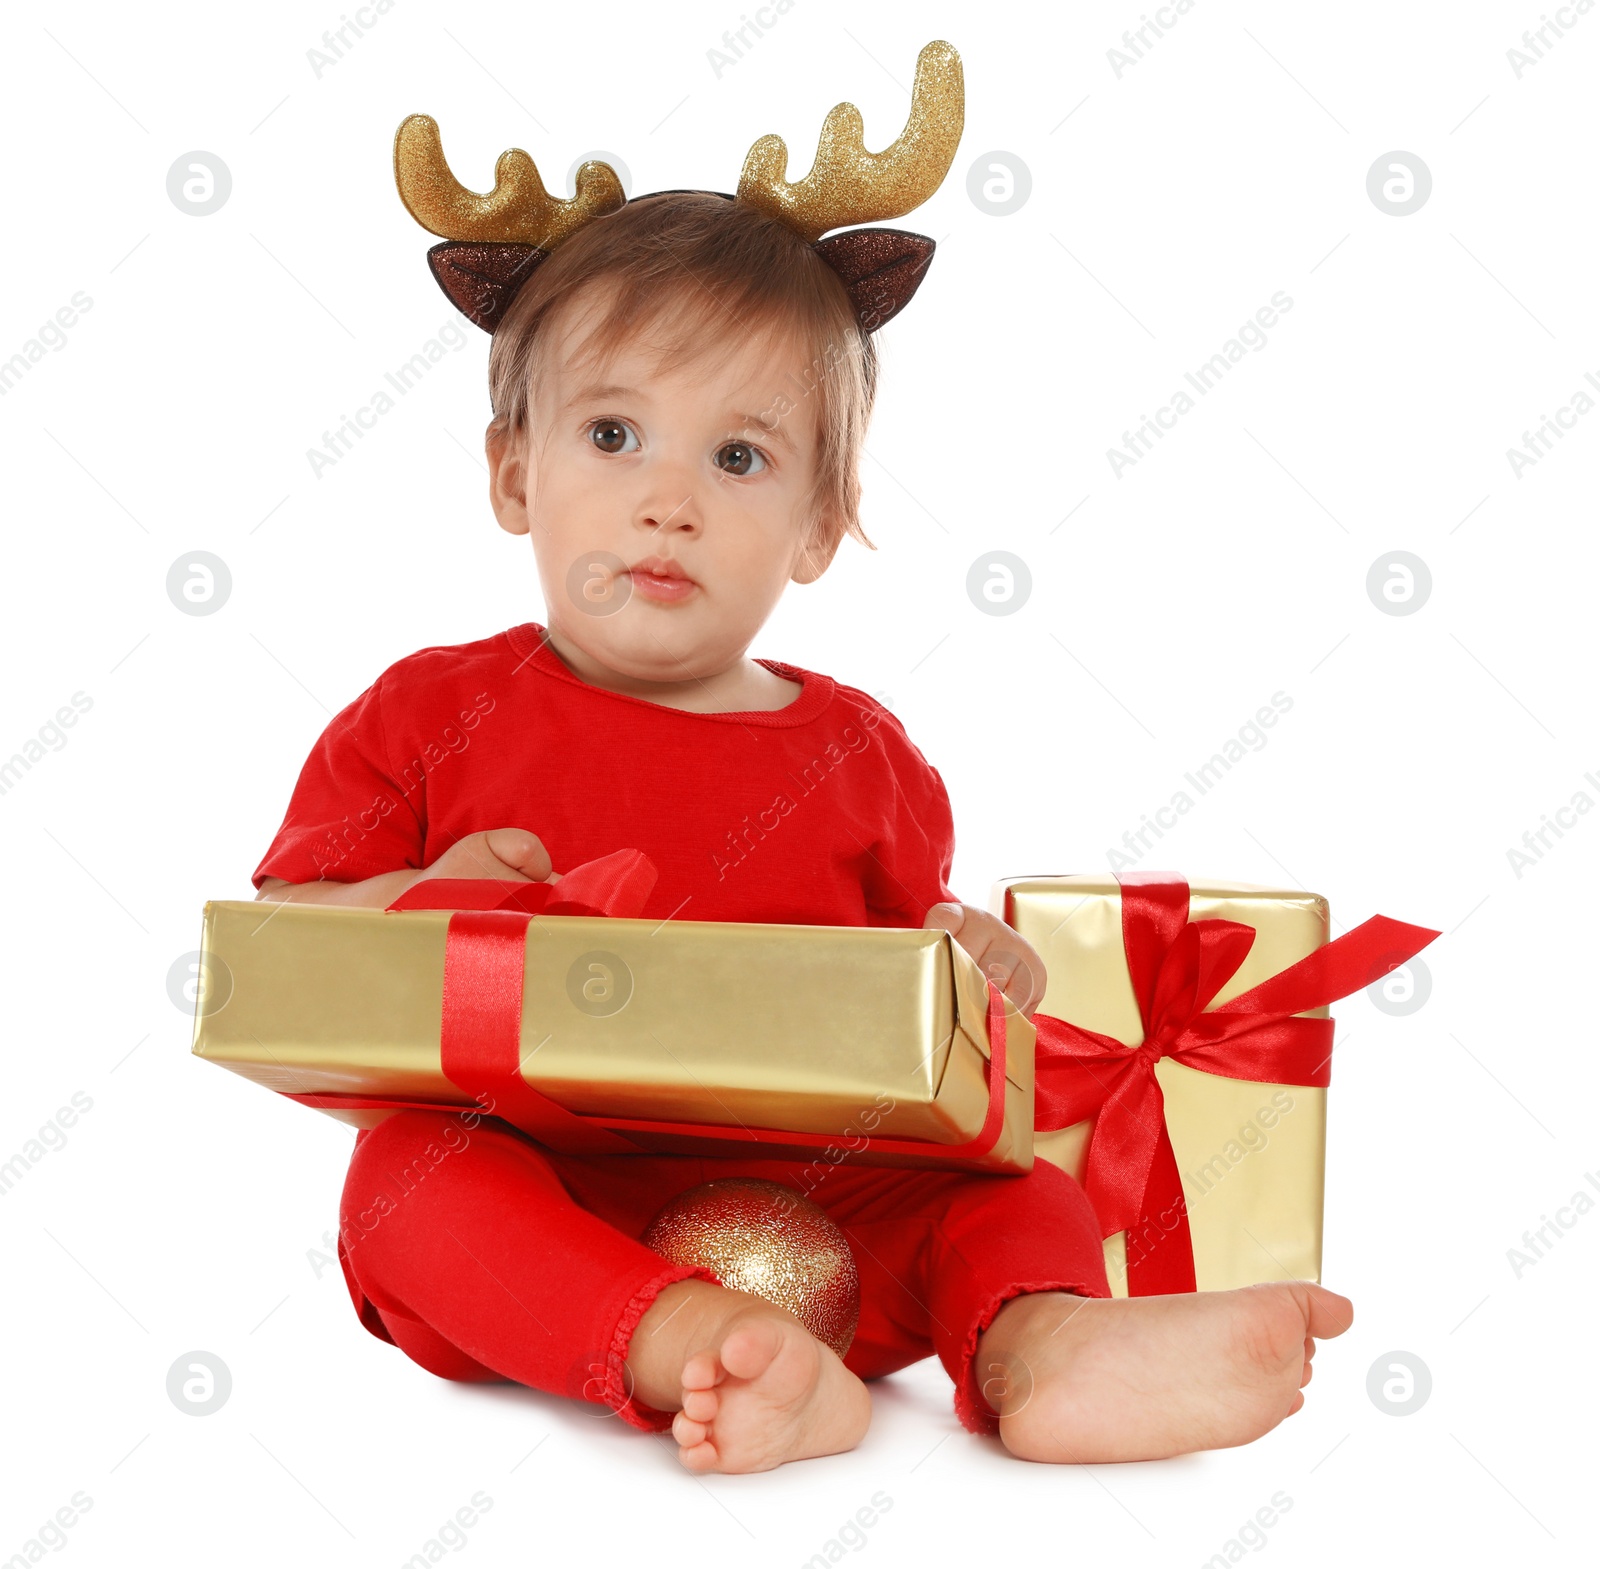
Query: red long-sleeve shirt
{"points": [[821, 813]]}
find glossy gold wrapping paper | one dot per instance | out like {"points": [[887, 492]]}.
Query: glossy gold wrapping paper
{"points": [[1250, 1154], [840, 1031]]}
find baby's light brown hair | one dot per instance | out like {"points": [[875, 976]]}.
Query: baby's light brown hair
{"points": [[702, 274]]}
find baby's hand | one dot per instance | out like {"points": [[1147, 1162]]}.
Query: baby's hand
{"points": [[509, 854], [1004, 957]]}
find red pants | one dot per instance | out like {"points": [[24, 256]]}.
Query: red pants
{"points": [[484, 1256]]}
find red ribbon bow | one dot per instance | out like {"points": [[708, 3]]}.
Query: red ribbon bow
{"points": [[1177, 966]]}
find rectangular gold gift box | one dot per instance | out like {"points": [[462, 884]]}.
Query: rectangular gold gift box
{"points": [[1250, 1154], [824, 1030]]}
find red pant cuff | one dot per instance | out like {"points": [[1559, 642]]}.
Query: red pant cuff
{"points": [[975, 1412], [617, 1391]]}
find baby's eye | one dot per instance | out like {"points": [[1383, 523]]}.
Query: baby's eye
{"points": [[609, 435], [738, 459]]}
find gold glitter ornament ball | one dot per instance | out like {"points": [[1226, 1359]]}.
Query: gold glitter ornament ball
{"points": [[770, 1241]]}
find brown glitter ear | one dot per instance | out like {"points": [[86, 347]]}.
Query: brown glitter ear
{"points": [[482, 280], [880, 268]]}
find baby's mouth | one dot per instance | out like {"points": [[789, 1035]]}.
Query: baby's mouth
{"points": [[662, 587]]}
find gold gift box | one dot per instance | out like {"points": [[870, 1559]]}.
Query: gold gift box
{"points": [[822, 1030], [1250, 1154]]}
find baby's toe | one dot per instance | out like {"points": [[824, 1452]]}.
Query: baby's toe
{"points": [[701, 1371], [699, 1457], [687, 1431], [700, 1405], [749, 1352]]}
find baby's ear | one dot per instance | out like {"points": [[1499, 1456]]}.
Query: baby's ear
{"points": [[822, 543], [508, 477]]}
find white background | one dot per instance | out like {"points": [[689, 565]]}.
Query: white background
{"points": [[1167, 605]]}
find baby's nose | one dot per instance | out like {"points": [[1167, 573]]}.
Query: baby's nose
{"points": [[680, 514]]}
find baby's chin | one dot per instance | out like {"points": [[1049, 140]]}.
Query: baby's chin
{"points": [[662, 644]]}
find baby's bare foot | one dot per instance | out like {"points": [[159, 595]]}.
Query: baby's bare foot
{"points": [[1143, 1378], [766, 1391], [753, 1387]]}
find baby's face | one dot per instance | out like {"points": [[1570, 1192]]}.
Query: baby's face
{"points": [[667, 509]]}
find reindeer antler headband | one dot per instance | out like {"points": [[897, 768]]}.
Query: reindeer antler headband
{"points": [[493, 242]]}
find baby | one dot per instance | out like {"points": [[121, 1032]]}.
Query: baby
{"points": [[681, 393]]}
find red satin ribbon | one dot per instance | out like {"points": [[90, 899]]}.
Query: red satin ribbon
{"points": [[480, 1027], [480, 1035], [1177, 966], [615, 884]]}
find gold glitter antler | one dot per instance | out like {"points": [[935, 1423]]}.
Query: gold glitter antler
{"points": [[517, 211], [847, 184]]}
